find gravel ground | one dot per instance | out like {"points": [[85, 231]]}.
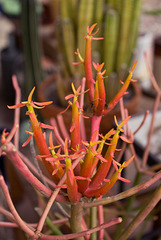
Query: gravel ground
{"points": [[151, 23]]}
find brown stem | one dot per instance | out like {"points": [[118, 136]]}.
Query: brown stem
{"points": [[93, 222], [75, 220], [142, 214]]}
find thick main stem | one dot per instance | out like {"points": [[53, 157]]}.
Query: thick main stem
{"points": [[75, 220]]}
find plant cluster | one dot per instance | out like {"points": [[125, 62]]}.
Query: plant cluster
{"points": [[118, 24], [82, 171]]}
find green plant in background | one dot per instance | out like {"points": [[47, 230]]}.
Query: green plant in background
{"points": [[11, 7], [30, 11], [118, 23]]}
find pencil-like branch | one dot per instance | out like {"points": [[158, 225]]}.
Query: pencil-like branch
{"points": [[125, 194]]}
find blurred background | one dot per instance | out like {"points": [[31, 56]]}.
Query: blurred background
{"points": [[38, 39]]}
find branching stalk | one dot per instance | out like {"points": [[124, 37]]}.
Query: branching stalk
{"points": [[142, 214]]}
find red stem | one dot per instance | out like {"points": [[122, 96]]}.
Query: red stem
{"points": [[19, 221], [49, 205], [152, 78], [83, 233], [95, 125], [145, 156], [17, 110], [125, 194], [82, 124], [52, 199], [62, 127], [100, 221], [88, 69], [12, 154]]}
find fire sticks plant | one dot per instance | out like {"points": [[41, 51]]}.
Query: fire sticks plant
{"points": [[82, 171]]}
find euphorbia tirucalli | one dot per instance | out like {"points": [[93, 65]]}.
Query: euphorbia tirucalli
{"points": [[80, 169], [86, 179]]}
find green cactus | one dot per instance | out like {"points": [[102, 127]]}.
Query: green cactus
{"points": [[110, 40], [118, 23], [98, 9], [85, 18], [134, 22], [31, 44], [124, 32]]}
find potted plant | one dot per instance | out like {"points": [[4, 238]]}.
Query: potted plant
{"points": [[82, 172]]}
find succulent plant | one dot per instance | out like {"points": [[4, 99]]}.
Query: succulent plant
{"points": [[31, 43], [82, 172], [118, 23]]}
